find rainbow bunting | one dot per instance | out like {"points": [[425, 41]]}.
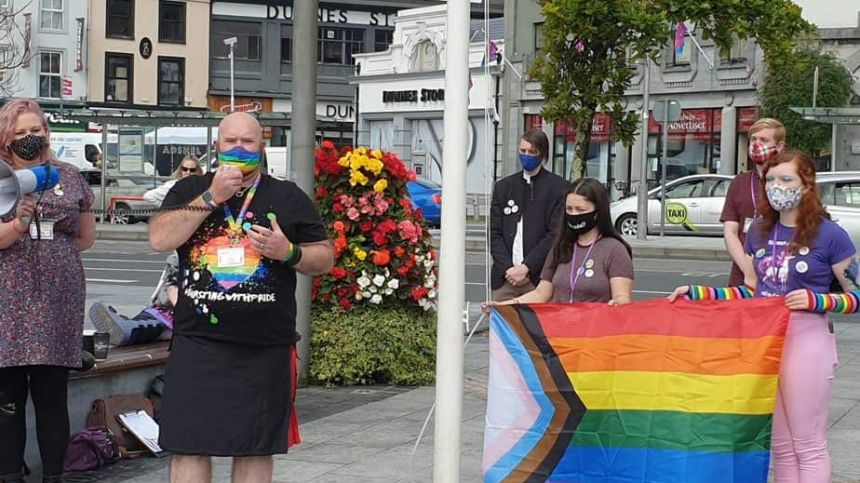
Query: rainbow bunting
{"points": [[649, 392]]}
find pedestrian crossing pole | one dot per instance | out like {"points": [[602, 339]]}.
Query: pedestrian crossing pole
{"points": [[449, 340]]}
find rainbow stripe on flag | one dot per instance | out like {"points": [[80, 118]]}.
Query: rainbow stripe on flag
{"points": [[648, 392]]}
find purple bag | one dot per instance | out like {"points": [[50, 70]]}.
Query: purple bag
{"points": [[90, 449]]}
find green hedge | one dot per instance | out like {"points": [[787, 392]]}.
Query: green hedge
{"points": [[369, 345]]}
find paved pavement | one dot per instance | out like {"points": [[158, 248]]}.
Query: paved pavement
{"points": [[372, 441]]}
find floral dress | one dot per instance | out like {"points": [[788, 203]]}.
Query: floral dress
{"points": [[42, 290]]}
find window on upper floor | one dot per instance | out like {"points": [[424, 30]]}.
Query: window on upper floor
{"points": [[119, 80], [120, 19], [737, 53], [171, 81], [336, 45], [679, 57], [286, 43], [171, 22], [51, 14], [50, 75], [382, 38], [248, 34], [539, 37]]}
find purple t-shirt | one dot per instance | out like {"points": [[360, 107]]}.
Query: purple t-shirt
{"points": [[779, 272]]}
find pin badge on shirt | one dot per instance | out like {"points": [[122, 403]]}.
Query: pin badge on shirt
{"points": [[760, 253], [512, 208], [589, 263], [801, 267], [589, 273], [803, 251], [58, 189]]}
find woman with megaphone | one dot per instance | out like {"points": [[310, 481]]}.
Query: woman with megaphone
{"points": [[42, 289]]}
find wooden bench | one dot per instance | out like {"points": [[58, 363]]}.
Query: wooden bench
{"points": [[127, 358]]}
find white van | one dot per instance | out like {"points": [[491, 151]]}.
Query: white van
{"points": [[278, 162], [82, 149]]}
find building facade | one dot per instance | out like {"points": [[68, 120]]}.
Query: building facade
{"points": [[45, 44], [263, 57], [716, 90], [402, 97], [148, 54]]}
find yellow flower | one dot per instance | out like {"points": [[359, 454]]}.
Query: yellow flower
{"points": [[359, 253], [361, 150], [376, 154], [358, 177], [380, 185], [375, 166], [344, 161]]}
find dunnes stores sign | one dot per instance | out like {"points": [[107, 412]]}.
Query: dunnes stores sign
{"points": [[327, 14], [424, 95]]}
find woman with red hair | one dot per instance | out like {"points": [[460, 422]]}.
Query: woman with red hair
{"points": [[797, 252], [42, 294]]}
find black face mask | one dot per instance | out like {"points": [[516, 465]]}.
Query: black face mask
{"points": [[28, 147], [582, 222]]}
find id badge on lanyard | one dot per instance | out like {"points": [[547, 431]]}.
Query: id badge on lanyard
{"points": [[44, 230]]}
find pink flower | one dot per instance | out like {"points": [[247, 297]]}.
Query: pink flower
{"points": [[352, 214], [346, 201], [409, 231], [381, 205]]}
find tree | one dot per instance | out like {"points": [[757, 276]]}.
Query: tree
{"points": [[14, 53], [590, 47], [788, 84]]}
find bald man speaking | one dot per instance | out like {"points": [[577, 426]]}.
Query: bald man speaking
{"points": [[240, 243]]}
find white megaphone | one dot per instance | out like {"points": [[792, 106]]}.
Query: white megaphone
{"points": [[15, 183]]}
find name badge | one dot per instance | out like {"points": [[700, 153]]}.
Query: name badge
{"points": [[231, 257], [46, 227], [747, 224]]}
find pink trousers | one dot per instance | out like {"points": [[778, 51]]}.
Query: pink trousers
{"points": [[799, 442]]}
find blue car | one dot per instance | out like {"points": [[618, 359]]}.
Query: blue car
{"points": [[427, 195]]}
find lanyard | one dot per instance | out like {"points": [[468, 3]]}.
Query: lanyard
{"points": [[581, 269], [235, 224]]}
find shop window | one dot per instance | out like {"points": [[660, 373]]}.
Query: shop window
{"points": [[382, 38], [50, 75], [171, 22], [120, 19], [51, 15], [533, 121], [337, 46], [248, 44], [171, 81], [539, 40], [736, 54], [118, 78], [286, 43]]}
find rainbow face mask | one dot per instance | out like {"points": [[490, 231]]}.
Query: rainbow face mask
{"points": [[246, 161]]}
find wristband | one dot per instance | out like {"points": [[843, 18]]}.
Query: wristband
{"points": [[294, 255], [840, 303], [703, 292]]}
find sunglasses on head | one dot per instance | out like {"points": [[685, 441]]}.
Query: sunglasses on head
{"points": [[187, 170]]}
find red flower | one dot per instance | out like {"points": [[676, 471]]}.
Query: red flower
{"points": [[387, 226], [338, 273], [366, 226], [322, 192], [345, 303], [406, 204], [340, 243], [419, 293], [379, 238], [337, 208], [327, 145], [381, 257], [317, 282], [399, 251]]}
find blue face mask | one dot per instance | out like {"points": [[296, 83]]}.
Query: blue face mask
{"points": [[529, 162]]}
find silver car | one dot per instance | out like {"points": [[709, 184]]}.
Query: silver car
{"points": [[693, 205]]}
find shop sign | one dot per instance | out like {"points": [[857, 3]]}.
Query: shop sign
{"points": [[326, 14], [601, 128], [338, 112], [79, 46], [58, 123], [692, 121], [423, 95], [747, 116]]}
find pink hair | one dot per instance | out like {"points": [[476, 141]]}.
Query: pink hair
{"points": [[9, 117]]}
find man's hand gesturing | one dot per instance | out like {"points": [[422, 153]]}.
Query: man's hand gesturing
{"points": [[227, 181]]}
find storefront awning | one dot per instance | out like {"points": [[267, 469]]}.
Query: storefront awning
{"points": [[830, 115]]}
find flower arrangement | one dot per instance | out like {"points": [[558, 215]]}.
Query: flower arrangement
{"points": [[383, 253]]}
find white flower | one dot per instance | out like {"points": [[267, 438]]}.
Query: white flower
{"points": [[366, 294], [363, 281], [372, 289], [428, 263], [394, 284], [429, 283], [387, 272], [376, 299], [378, 280], [358, 296], [388, 291], [431, 294]]}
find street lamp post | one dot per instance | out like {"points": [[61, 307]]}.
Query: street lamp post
{"points": [[231, 42]]}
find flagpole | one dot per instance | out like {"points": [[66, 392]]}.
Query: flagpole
{"points": [[449, 341], [699, 47]]}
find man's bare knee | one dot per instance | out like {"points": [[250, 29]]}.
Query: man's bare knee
{"points": [[252, 469], [190, 469]]}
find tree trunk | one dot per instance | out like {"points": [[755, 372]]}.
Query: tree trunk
{"points": [[580, 155]]}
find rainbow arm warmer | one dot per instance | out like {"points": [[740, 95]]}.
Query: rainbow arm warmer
{"points": [[703, 292], [839, 303]]}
